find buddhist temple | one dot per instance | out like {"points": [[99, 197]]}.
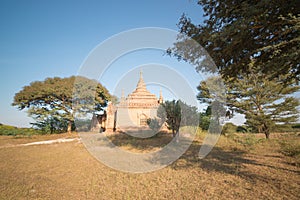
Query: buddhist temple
{"points": [[133, 110]]}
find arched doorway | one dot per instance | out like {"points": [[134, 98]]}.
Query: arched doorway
{"points": [[143, 120]]}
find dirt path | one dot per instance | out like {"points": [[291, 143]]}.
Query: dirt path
{"points": [[59, 140]]}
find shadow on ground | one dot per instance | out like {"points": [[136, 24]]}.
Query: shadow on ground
{"points": [[234, 162], [223, 160]]}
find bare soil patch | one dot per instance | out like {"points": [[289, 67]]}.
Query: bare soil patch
{"points": [[247, 169]]}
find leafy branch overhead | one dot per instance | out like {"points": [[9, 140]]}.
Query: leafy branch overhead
{"points": [[236, 33], [254, 47]]}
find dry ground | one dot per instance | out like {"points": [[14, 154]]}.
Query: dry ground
{"points": [[237, 168]]}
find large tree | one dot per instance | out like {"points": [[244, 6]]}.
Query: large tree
{"points": [[236, 32], [61, 98], [242, 36], [263, 100]]}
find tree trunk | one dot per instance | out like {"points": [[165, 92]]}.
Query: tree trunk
{"points": [[177, 136], [69, 129], [266, 131], [51, 126], [267, 134], [173, 133]]}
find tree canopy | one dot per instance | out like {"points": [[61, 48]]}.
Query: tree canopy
{"points": [[170, 112], [236, 33], [57, 99], [263, 101], [254, 46], [176, 114], [212, 92]]}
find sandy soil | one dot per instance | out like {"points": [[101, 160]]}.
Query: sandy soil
{"points": [[67, 171]]}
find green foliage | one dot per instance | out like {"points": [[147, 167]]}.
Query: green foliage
{"points": [[189, 114], [14, 131], [229, 128], [211, 122], [235, 32], [154, 124], [296, 126], [263, 99], [53, 125], [255, 47], [54, 101], [204, 121], [212, 92], [282, 128], [242, 129], [83, 124], [290, 148], [170, 112], [248, 140]]}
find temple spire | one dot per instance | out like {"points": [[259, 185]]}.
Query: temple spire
{"points": [[141, 84], [161, 99], [123, 95], [123, 98]]}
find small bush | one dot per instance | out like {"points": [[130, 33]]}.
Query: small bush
{"points": [[290, 148], [248, 140], [279, 128], [229, 128], [296, 126], [242, 129], [14, 131], [154, 124]]}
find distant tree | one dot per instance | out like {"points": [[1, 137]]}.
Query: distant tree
{"points": [[174, 114], [212, 92], [59, 99], [204, 120], [161, 113], [170, 112], [114, 99], [52, 125], [264, 100], [189, 114], [235, 32]]}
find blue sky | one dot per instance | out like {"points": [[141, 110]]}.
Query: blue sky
{"points": [[40, 39]]}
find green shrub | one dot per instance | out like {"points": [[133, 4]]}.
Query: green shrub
{"points": [[229, 128], [290, 148], [242, 129], [248, 140], [204, 122], [11, 130], [154, 124], [296, 126], [280, 128]]}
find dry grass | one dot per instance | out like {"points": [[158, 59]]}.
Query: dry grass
{"points": [[239, 167]]}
